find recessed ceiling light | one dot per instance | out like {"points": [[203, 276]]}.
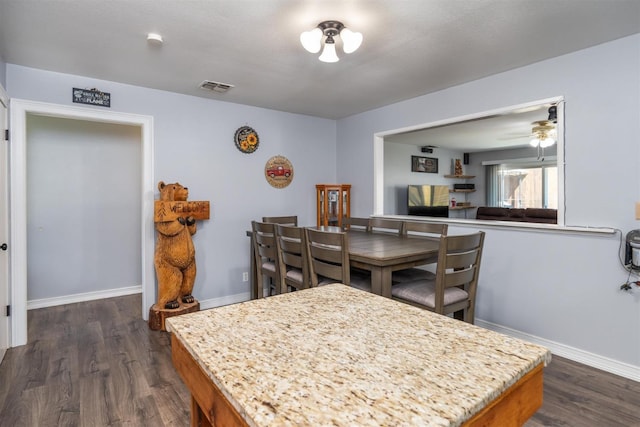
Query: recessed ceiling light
{"points": [[154, 38]]}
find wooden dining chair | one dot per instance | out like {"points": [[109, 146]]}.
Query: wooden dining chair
{"points": [[286, 220], [266, 256], [292, 255], [328, 255], [421, 229], [386, 225], [453, 289], [355, 224]]}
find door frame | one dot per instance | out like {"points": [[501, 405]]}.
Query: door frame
{"points": [[18, 111], [4, 281]]}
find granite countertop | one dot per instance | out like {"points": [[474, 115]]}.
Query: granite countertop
{"points": [[338, 356]]}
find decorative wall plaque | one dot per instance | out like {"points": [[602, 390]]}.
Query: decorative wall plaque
{"points": [[246, 139], [278, 171], [91, 97]]}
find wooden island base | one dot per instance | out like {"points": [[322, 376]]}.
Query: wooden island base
{"points": [[158, 315]]}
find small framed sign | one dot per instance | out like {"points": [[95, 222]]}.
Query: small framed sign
{"points": [[424, 164], [91, 97]]}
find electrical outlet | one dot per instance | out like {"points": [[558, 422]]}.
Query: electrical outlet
{"points": [[245, 277]]}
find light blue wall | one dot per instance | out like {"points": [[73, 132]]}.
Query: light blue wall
{"points": [[398, 174], [194, 145], [81, 201], [3, 73], [557, 286]]}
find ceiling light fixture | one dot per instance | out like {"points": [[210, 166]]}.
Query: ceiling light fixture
{"points": [[312, 40], [543, 134]]}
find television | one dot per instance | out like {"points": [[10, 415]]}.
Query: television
{"points": [[428, 200]]}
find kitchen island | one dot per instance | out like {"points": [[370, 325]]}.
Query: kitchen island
{"points": [[335, 355]]}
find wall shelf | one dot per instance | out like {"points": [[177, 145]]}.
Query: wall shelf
{"points": [[463, 191]]}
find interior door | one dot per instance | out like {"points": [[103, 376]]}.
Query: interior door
{"points": [[4, 227]]}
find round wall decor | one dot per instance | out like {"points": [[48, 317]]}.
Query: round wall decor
{"points": [[246, 139], [278, 171]]}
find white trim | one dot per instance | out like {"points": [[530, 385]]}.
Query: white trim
{"points": [[532, 226], [562, 202], [378, 175], [87, 296], [595, 361], [5, 340], [18, 118], [227, 300]]}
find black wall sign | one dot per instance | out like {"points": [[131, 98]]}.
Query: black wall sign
{"points": [[91, 97]]}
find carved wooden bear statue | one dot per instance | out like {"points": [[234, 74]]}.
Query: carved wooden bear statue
{"points": [[175, 257]]}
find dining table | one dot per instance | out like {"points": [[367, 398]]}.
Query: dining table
{"points": [[338, 356], [380, 253]]}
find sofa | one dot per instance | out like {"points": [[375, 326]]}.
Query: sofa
{"points": [[539, 215]]}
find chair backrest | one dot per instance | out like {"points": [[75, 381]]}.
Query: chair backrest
{"points": [[459, 259], [266, 251], [425, 228], [286, 220], [292, 255], [355, 224], [328, 254], [386, 225]]}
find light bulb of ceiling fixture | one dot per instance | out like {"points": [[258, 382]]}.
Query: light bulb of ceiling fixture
{"points": [[534, 141], [351, 41], [312, 40], [329, 52], [154, 38], [547, 142]]}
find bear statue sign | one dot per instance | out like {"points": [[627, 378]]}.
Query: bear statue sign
{"points": [[175, 256]]}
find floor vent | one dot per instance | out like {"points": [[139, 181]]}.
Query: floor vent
{"points": [[215, 86]]}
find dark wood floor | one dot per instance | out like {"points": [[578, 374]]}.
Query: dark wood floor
{"points": [[98, 364]]}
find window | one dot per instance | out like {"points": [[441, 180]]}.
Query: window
{"points": [[523, 185]]}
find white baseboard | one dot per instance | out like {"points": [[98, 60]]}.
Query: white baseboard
{"points": [[219, 302], [596, 361], [87, 296]]}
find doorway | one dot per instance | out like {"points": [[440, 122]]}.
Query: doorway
{"points": [[83, 210], [20, 109]]}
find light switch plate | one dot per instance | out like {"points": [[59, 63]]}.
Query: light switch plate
{"points": [[637, 210]]}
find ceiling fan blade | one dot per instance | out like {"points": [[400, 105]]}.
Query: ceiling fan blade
{"points": [[509, 137]]}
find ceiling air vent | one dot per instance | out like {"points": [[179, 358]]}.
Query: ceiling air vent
{"points": [[215, 86]]}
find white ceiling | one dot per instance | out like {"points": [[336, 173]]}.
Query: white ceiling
{"points": [[410, 48], [495, 131]]}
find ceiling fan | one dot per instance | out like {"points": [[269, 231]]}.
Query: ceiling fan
{"points": [[543, 132]]}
